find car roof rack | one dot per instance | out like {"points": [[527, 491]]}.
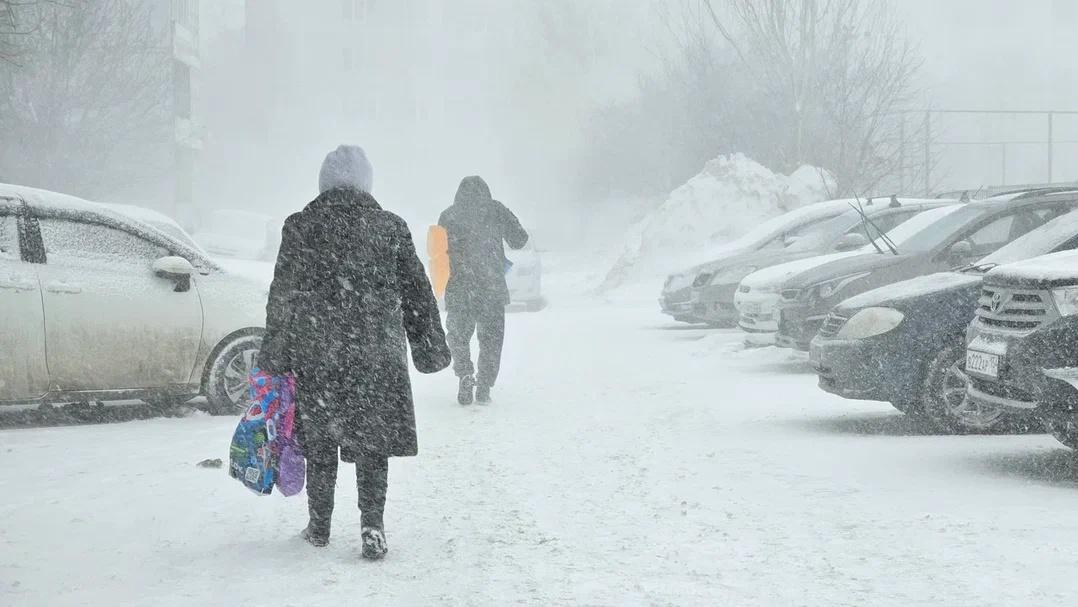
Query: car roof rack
{"points": [[1024, 194]]}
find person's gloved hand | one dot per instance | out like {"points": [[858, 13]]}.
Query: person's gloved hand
{"points": [[431, 357]]}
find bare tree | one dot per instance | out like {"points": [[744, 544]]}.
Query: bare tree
{"points": [[831, 77], [85, 106]]}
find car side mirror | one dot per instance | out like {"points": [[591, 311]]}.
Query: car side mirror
{"points": [[960, 251], [851, 241], [176, 269]]}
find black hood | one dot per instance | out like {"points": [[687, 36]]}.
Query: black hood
{"points": [[473, 190]]}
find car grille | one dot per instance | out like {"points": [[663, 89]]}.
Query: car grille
{"points": [[1017, 310], [832, 324], [702, 279]]}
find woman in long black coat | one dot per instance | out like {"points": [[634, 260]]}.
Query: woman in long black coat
{"points": [[349, 295]]}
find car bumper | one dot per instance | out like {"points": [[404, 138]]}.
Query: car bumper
{"points": [[715, 304], [758, 312], [678, 304], [797, 325], [851, 369], [1034, 370]]}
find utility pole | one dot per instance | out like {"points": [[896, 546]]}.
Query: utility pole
{"points": [[928, 153]]}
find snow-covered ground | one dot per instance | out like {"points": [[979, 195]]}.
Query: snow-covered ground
{"points": [[625, 462]]}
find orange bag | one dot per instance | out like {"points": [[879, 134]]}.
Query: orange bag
{"points": [[438, 251]]}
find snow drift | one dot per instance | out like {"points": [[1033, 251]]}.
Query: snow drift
{"points": [[731, 195]]}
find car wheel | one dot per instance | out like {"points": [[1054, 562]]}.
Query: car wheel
{"points": [[226, 378], [1066, 432], [945, 398]]}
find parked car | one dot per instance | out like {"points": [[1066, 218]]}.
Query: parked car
{"points": [[905, 343], [525, 279], [774, 234], [964, 236], [1022, 346], [846, 233], [126, 310], [244, 235]]}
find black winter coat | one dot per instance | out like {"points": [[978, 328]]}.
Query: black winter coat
{"points": [[477, 225], [348, 295]]}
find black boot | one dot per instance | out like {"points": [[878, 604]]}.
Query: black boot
{"points": [[315, 537], [374, 544], [482, 395], [465, 393]]}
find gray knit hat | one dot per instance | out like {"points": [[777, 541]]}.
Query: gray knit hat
{"points": [[346, 167]]}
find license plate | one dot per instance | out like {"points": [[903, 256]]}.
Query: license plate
{"points": [[982, 363], [750, 307]]}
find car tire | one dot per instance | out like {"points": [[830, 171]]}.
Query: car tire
{"points": [[944, 395], [227, 370]]}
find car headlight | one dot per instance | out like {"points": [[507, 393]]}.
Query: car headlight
{"points": [[732, 275], [869, 322], [826, 290], [1066, 300]]}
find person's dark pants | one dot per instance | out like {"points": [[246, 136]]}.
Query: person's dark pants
{"points": [[488, 320], [372, 481]]}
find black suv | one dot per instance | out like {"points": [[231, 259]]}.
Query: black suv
{"points": [[960, 238], [1022, 347], [905, 343]]}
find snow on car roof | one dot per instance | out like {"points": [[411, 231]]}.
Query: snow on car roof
{"points": [[55, 202]]}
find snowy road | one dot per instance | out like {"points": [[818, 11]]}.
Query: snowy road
{"points": [[625, 462]]}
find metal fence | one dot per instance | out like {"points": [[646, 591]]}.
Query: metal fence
{"points": [[957, 148]]}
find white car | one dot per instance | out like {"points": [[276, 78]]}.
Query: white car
{"points": [[758, 294], [95, 305], [525, 279]]}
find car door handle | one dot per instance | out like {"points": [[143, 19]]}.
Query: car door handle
{"points": [[17, 284], [59, 286]]}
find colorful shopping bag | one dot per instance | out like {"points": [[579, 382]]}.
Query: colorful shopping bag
{"points": [[264, 433]]}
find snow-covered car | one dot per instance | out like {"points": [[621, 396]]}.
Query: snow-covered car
{"points": [[525, 279], [970, 233], [239, 234], [759, 293], [905, 343], [772, 235], [100, 306]]}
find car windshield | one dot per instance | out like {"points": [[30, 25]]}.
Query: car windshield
{"points": [[906, 230], [820, 235], [1044, 239], [933, 230]]}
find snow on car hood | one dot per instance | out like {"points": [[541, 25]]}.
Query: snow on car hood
{"points": [[1057, 269], [912, 288], [774, 276]]}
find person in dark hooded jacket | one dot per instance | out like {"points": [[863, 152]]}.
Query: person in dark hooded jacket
{"points": [[349, 295], [476, 296]]}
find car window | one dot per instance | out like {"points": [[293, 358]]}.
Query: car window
{"points": [[996, 233], [9, 237], [67, 240]]}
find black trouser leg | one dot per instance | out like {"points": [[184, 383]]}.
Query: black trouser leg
{"points": [[321, 481], [460, 324], [491, 329], [372, 482]]}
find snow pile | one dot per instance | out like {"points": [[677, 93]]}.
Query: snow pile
{"points": [[731, 195]]}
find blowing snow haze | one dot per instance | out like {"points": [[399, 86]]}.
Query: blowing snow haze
{"points": [[599, 302]]}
